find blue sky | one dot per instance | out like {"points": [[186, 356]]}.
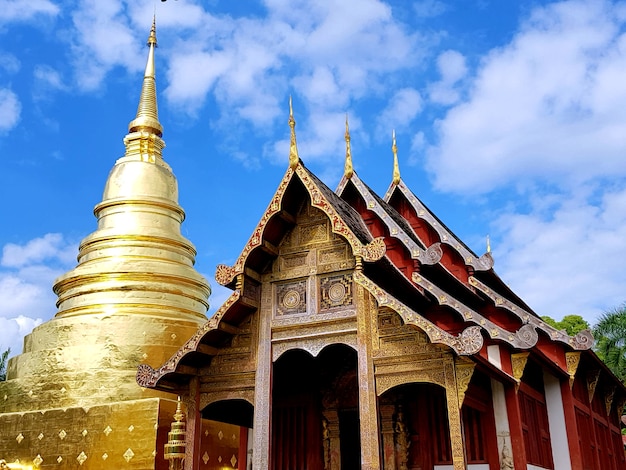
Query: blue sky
{"points": [[510, 118]]}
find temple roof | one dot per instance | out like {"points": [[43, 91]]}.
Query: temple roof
{"points": [[411, 263]]}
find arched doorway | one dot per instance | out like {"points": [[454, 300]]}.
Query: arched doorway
{"points": [[315, 419], [416, 418]]}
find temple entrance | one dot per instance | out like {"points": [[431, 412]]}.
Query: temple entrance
{"points": [[315, 420], [416, 416], [226, 435]]}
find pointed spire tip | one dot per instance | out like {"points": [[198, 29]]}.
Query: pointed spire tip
{"points": [[294, 158], [348, 169], [396, 166]]}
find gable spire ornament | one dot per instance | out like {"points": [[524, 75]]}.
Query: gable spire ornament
{"points": [[396, 167], [348, 170], [294, 158]]}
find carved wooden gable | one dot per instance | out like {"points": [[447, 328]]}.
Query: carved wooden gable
{"points": [[312, 273], [311, 287]]}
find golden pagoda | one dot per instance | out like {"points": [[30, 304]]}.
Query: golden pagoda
{"points": [[70, 398]]}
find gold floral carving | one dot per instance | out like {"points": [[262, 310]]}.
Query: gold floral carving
{"points": [[464, 372], [291, 298], [572, 359], [608, 399], [619, 406], [207, 398], [518, 364], [335, 291], [454, 417], [224, 274], [313, 345], [386, 382], [592, 382], [582, 341], [374, 250]]}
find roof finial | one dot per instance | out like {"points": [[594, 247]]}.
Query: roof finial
{"points": [[396, 167], [147, 118], [348, 170], [293, 148], [488, 244]]}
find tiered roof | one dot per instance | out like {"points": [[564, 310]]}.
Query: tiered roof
{"points": [[406, 258]]}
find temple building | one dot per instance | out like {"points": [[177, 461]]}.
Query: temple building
{"points": [[361, 333]]}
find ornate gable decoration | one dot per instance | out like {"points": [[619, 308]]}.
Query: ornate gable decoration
{"points": [[370, 252], [482, 263]]}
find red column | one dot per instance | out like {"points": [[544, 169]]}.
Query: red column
{"points": [[571, 425]]}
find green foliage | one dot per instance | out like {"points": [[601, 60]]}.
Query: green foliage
{"points": [[572, 324], [551, 321], [610, 336], [4, 357]]}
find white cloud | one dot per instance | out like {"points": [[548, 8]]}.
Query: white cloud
{"points": [[452, 68], [26, 10], [548, 106], [10, 109], [566, 255], [103, 40], [27, 273], [9, 63], [49, 77], [13, 330], [402, 109], [429, 8], [50, 246], [307, 48]]}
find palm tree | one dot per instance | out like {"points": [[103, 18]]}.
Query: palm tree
{"points": [[610, 334], [3, 364]]}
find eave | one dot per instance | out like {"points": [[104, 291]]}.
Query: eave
{"points": [[198, 350], [482, 263]]}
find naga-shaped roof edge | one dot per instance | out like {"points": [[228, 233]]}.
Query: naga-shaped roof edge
{"points": [[468, 342], [524, 338], [581, 341], [398, 227], [479, 263]]}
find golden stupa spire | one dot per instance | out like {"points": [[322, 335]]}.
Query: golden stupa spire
{"points": [[293, 147], [488, 244], [147, 112], [348, 170], [396, 167]]}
